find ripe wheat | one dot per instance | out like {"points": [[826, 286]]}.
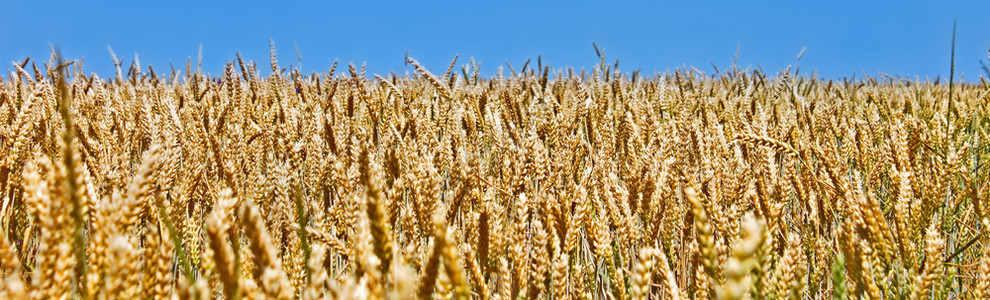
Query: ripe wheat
{"points": [[549, 184]]}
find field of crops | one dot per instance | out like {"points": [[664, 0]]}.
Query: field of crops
{"points": [[533, 183]]}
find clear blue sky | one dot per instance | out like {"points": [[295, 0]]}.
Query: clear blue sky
{"points": [[906, 38]]}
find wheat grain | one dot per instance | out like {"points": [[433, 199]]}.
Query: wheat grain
{"points": [[580, 185]]}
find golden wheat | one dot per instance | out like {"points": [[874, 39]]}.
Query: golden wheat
{"points": [[548, 184]]}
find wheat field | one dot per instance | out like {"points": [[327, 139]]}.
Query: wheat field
{"points": [[543, 183]]}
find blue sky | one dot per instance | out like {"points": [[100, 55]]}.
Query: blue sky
{"points": [[843, 38]]}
